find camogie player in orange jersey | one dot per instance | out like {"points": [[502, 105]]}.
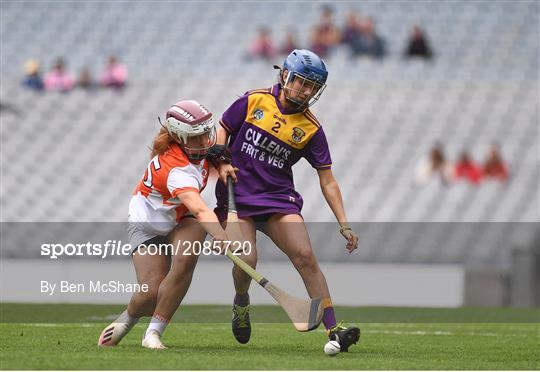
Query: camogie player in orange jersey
{"points": [[167, 209]]}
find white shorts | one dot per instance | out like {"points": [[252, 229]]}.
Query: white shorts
{"points": [[138, 236]]}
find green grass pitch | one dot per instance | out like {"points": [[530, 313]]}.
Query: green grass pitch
{"points": [[65, 337]]}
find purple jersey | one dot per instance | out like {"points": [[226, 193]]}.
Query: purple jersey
{"points": [[266, 142]]}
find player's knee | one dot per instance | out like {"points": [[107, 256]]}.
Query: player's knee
{"points": [[240, 274], [251, 261], [304, 259]]}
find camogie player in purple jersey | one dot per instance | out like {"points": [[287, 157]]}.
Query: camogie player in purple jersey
{"points": [[268, 131]]}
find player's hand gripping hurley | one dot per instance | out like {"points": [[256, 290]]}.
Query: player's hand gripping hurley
{"points": [[306, 315]]}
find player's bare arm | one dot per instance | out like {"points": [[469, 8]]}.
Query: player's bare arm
{"points": [[208, 219], [332, 194]]}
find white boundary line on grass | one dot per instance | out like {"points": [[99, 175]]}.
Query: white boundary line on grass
{"points": [[368, 331]]}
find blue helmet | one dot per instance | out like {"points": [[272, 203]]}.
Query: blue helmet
{"points": [[305, 65]]}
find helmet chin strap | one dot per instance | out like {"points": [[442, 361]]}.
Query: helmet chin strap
{"points": [[192, 156], [296, 105], [196, 157]]}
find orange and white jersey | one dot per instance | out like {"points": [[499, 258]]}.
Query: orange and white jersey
{"points": [[155, 205]]}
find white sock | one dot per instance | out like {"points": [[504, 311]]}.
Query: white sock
{"points": [[158, 324], [126, 318]]}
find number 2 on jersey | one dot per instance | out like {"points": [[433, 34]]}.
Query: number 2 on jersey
{"points": [[148, 179]]}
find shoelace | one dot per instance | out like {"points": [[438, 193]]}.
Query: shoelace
{"points": [[241, 313], [338, 327]]}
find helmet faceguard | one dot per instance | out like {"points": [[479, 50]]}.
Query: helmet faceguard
{"points": [[193, 127], [305, 79], [199, 149], [301, 90]]}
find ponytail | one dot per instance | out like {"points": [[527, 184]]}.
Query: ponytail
{"points": [[162, 142]]}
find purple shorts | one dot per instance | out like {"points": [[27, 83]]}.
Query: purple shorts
{"points": [[259, 214]]}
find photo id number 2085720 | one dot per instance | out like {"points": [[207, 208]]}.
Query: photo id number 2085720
{"points": [[208, 248]]}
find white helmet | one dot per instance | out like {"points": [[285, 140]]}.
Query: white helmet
{"points": [[191, 119]]}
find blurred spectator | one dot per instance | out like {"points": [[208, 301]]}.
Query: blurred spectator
{"points": [[494, 166], [32, 78], [290, 43], [418, 45], [351, 31], [85, 80], [466, 169], [58, 79], [434, 168], [318, 43], [263, 45], [115, 74], [325, 34], [367, 42]]}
